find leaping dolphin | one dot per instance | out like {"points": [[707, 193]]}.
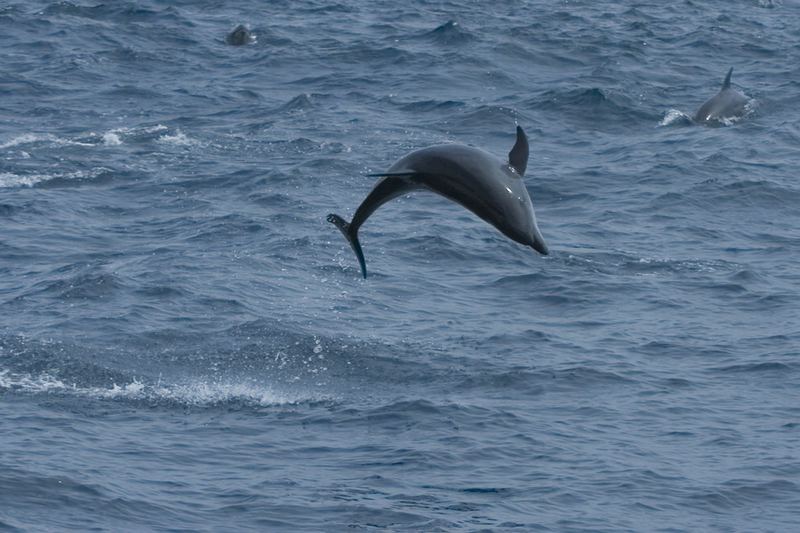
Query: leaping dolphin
{"points": [[728, 103], [490, 188]]}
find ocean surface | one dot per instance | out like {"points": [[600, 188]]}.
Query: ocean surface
{"points": [[187, 345]]}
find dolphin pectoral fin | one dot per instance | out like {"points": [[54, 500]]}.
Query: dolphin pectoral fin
{"points": [[352, 238], [727, 83], [518, 156], [392, 175]]}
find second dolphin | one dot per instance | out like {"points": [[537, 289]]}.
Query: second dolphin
{"points": [[724, 106]]}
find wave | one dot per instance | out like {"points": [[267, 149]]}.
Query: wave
{"points": [[736, 494], [744, 194], [500, 117], [301, 102], [435, 247], [765, 367], [593, 106], [630, 263], [256, 363], [123, 12], [535, 382], [363, 54], [6, 210], [113, 137], [178, 139], [136, 134], [427, 106], [449, 33], [261, 373], [223, 226], [45, 139]]}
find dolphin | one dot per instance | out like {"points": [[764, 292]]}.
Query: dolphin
{"points": [[489, 187], [240, 35], [726, 104]]}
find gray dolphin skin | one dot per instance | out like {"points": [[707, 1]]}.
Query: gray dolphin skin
{"points": [[726, 104], [490, 188], [239, 36]]}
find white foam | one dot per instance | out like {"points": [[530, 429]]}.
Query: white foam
{"points": [[28, 383], [154, 129], [205, 393], [147, 130], [197, 393], [30, 138], [179, 139], [673, 116], [22, 139], [111, 139], [26, 138], [9, 179]]}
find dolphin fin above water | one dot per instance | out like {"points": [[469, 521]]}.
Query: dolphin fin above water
{"points": [[479, 181], [518, 156], [727, 83]]}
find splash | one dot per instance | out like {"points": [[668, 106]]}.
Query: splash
{"points": [[195, 393], [675, 117], [111, 139], [178, 139]]}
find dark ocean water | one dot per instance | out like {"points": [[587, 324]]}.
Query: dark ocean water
{"points": [[187, 344]]}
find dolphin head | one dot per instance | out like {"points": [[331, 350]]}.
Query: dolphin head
{"points": [[519, 219], [240, 35]]}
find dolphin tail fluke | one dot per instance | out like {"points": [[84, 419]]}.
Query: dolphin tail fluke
{"points": [[352, 238], [727, 83]]}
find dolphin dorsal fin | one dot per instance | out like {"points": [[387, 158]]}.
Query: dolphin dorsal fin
{"points": [[518, 156], [727, 83]]}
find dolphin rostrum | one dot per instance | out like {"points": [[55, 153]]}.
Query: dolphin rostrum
{"points": [[728, 103], [490, 188]]}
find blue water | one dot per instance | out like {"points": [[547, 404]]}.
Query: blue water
{"points": [[187, 344]]}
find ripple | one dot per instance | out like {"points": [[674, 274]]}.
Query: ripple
{"points": [[764, 367], [595, 105]]}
